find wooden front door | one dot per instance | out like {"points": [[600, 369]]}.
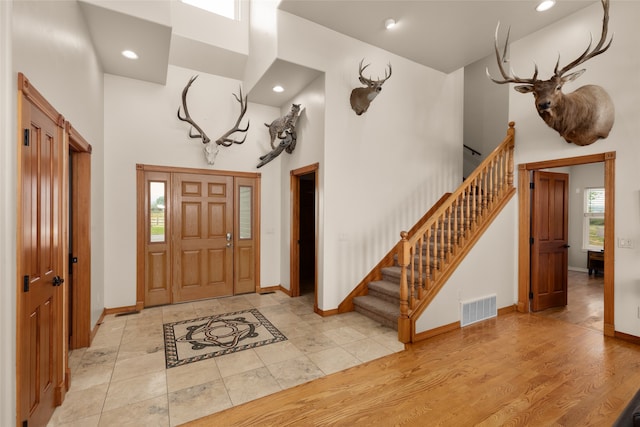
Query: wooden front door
{"points": [[203, 236], [549, 231], [40, 246], [198, 234]]}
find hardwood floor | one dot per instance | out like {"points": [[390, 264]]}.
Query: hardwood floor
{"points": [[517, 369], [585, 301]]}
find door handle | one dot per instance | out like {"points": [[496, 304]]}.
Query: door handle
{"points": [[228, 237], [229, 245], [566, 246], [57, 281]]}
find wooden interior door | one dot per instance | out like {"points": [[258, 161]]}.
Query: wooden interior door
{"points": [[203, 236], [40, 255], [549, 231]]}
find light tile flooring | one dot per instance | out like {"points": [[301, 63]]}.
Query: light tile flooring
{"points": [[121, 380]]}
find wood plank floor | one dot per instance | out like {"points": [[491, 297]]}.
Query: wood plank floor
{"points": [[518, 369]]}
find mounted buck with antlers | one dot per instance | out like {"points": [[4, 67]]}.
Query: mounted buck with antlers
{"points": [[210, 152], [582, 116], [361, 97]]}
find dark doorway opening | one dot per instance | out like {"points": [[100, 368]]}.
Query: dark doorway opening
{"points": [[307, 233]]}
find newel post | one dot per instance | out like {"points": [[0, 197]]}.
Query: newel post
{"points": [[404, 326], [511, 132]]}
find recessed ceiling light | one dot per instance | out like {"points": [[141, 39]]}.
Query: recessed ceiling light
{"points": [[278, 88], [389, 23], [545, 5], [129, 54]]}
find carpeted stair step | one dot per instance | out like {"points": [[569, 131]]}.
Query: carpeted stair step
{"points": [[388, 291], [381, 311]]}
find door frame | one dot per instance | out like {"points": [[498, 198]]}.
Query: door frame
{"points": [[524, 221], [141, 225], [80, 222], [294, 249]]}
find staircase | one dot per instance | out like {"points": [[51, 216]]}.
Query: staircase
{"points": [[407, 279]]}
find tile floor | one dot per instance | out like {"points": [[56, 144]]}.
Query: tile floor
{"points": [[121, 380]]}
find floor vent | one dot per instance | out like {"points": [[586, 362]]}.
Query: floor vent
{"points": [[479, 309]]}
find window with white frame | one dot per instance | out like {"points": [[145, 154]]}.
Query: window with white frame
{"points": [[226, 8], [593, 222]]}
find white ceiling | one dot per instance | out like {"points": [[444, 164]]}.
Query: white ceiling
{"points": [[444, 35]]}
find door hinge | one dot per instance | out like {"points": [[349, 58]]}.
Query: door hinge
{"points": [[26, 138], [531, 185], [530, 295], [531, 240], [25, 423], [25, 284]]}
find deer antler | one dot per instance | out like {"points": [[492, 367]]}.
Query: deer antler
{"points": [[365, 80], [508, 78], [224, 139], [586, 55], [187, 118]]}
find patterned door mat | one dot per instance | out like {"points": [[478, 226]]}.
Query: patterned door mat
{"points": [[205, 337]]}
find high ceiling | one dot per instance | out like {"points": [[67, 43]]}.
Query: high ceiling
{"points": [[444, 35]]}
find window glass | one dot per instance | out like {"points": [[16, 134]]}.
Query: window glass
{"points": [[593, 233], [226, 8], [157, 211], [245, 212]]}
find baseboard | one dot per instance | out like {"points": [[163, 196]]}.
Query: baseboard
{"points": [[94, 331], [627, 337], [421, 336], [579, 269]]}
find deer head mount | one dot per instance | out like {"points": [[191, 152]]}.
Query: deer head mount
{"points": [[582, 116], [211, 150], [361, 97]]}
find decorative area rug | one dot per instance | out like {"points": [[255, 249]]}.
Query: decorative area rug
{"points": [[199, 339]]}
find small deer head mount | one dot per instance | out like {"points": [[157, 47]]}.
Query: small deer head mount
{"points": [[361, 97], [582, 116], [211, 150]]}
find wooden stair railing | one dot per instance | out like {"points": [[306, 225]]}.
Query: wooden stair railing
{"points": [[430, 255]]}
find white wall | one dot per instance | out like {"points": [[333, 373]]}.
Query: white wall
{"points": [[141, 127], [383, 170], [52, 47], [49, 43], [618, 71], [7, 220], [486, 111], [309, 150], [489, 268]]}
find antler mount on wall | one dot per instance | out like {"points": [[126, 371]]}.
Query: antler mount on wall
{"points": [[361, 97], [582, 116], [211, 150]]}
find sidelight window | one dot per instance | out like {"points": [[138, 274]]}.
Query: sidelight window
{"points": [[157, 211], [245, 218]]}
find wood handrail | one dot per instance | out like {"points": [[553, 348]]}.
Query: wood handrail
{"points": [[428, 256]]}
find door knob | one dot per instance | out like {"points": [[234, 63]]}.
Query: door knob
{"points": [[566, 246], [57, 281]]}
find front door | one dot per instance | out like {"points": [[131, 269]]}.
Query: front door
{"points": [[549, 231], [203, 236], [39, 265]]}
